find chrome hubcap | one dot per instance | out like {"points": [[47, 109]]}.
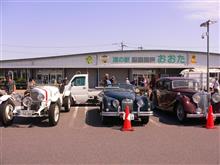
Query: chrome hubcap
{"points": [[9, 112], [56, 113], [69, 103], [180, 113]]}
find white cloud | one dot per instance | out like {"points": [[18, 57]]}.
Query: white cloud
{"points": [[202, 10]]}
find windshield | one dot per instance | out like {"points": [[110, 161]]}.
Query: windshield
{"points": [[191, 84], [121, 87]]}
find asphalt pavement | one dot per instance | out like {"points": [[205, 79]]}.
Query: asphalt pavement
{"points": [[80, 138]]}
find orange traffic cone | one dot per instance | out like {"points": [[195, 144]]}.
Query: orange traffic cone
{"points": [[210, 119], [127, 121]]}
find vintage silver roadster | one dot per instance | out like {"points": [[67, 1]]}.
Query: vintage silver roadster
{"points": [[41, 101]]}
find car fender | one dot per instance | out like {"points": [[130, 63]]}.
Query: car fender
{"points": [[4, 98], [73, 97], [55, 97], [66, 93], [146, 102], [188, 106]]}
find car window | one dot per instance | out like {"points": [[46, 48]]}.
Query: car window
{"points": [[167, 85], [159, 85], [78, 81], [121, 87], [192, 84]]}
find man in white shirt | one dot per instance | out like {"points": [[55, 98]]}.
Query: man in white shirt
{"points": [[216, 85]]}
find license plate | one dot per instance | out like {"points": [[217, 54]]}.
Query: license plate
{"points": [[26, 112], [130, 115]]}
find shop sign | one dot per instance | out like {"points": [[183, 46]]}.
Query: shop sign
{"points": [[193, 59], [120, 60], [89, 60], [104, 59], [171, 59]]}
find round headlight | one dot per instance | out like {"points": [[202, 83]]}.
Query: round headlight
{"points": [[27, 101], [137, 90], [196, 98], [216, 97], [40, 97], [140, 103], [115, 103], [17, 97]]}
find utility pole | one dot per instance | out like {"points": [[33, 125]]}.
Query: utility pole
{"points": [[207, 24], [140, 48], [122, 46]]}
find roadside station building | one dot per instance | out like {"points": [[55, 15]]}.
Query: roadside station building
{"points": [[133, 64]]}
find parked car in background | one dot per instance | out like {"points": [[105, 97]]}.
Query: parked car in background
{"points": [[215, 101], [182, 96], [116, 98], [41, 101], [80, 92]]}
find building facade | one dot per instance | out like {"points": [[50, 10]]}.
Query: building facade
{"points": [[133, 64]]}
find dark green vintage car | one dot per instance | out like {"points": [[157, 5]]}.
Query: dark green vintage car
{"points": [[115, 99]]}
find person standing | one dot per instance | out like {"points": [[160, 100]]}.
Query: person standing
{"points": [[31, 84], [216, 85], [113, 80], [107, 81], [9, 85], [127, 81]]}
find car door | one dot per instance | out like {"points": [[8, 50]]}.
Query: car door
{"points": [[79, 89], [162, 95], [157, 92], [167, 98]]}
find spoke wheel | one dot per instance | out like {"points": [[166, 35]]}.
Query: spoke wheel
{"points": [[145, 120], [180, 113], [6, 112], [54, 114], [67, 103]]}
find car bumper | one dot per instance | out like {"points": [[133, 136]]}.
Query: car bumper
{"points": [[21, 112], [120, 114], [216, 115]]}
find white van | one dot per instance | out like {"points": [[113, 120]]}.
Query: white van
{"points": [[200, 74]]}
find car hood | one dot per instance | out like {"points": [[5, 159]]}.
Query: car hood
{"points": [[120, 95]]}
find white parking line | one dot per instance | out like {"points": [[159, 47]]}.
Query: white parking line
{"points": [[86, 110], [73, 116], [155, 123]]}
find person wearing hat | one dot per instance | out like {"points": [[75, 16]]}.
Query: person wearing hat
{"points": [[9, 85]]}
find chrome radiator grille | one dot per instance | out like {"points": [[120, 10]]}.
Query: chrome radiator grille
{"points": [[36, 103], [127, 102], [34, 96], [204, 102]]}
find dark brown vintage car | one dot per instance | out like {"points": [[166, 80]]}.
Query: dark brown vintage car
{"points": [[182, 96], [216, 102]]}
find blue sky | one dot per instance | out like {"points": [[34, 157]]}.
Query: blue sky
{"points": [[48, 28]]}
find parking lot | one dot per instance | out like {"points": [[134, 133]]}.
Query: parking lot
{"points": [[80, 138]]}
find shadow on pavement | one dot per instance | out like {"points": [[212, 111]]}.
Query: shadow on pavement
{"points": [[93, 118], [23, 122], [169, 118]]}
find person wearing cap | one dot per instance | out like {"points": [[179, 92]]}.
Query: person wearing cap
{"points": [[9, 85]]}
